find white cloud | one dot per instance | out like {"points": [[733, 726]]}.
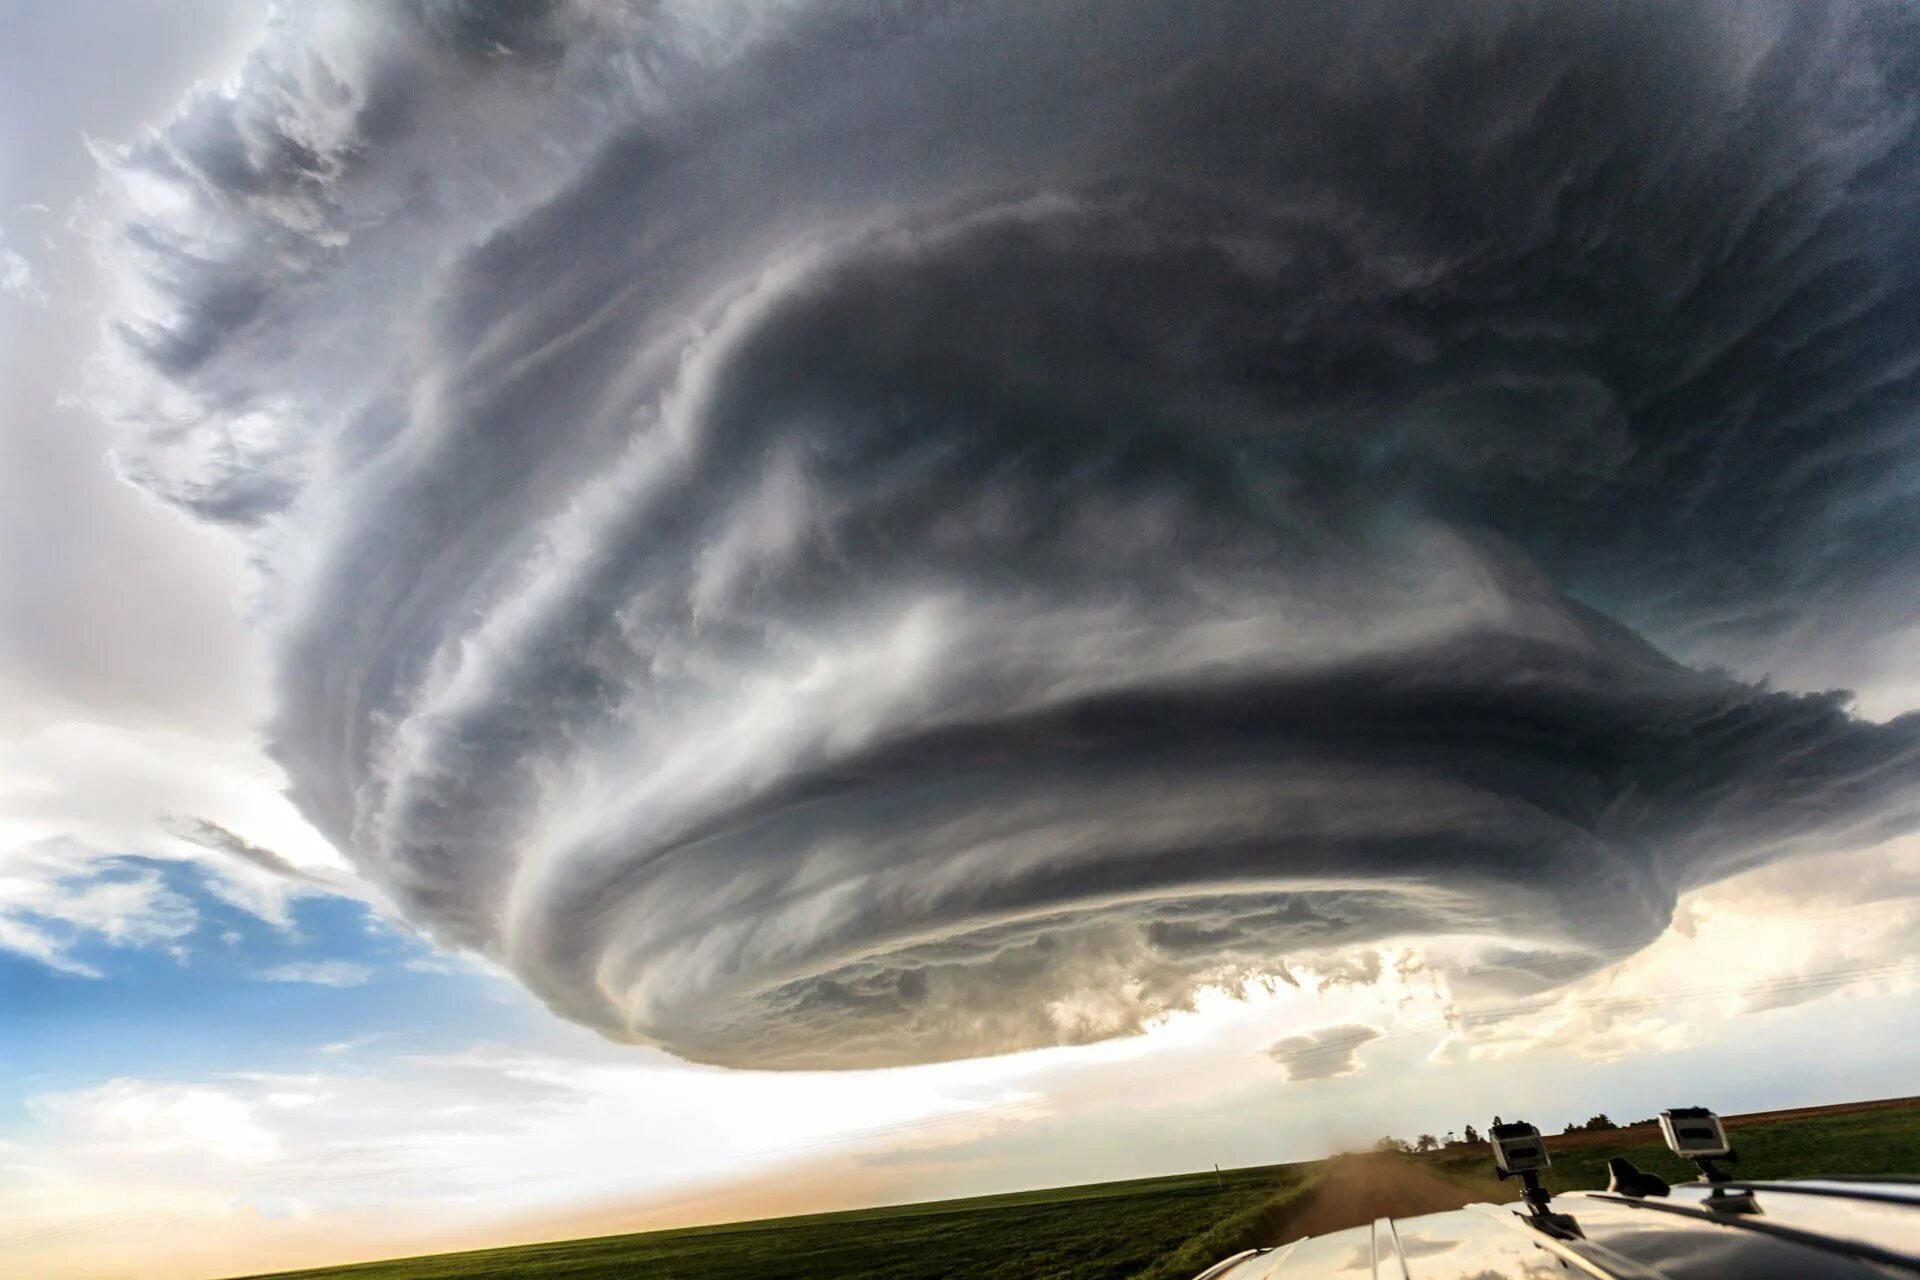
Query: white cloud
{"points": [[353, 1044], [55, 895], [1836, 926], [473, 1136], [24, 939], [1324, 1053], [17, 277], [117, 786], [320, 973], [139, 1119], [74, 792]]}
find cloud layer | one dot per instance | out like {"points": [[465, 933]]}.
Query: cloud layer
{"points": [[828, 535]]}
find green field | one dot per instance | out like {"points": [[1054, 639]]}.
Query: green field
{"points": [[1864, 1142], [1152, 1229]]}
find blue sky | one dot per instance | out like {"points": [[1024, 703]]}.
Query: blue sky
{"points": [[236, 989]]}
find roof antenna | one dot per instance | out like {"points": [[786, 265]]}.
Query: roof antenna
{"points": [[1625, 1178]]}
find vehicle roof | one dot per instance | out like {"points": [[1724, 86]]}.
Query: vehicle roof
{"points": [[1814, 1229]]}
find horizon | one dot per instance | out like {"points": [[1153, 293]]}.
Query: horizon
{"points": [[616, 610]]}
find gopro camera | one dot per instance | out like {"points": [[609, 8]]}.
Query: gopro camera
{"points": [[1694, 1133], [1517, 1149]]}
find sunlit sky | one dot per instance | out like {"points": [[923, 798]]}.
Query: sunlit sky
{"points": [[295, 969]]}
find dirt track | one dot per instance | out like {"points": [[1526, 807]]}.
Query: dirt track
{"points": [[1358, 1189]]}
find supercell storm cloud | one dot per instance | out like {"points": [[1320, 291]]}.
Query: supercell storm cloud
{"points": [[832, 534]]}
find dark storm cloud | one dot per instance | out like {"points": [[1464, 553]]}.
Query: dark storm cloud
{"points": [[494, 28], [901, 532]]}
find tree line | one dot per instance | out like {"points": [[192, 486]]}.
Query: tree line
{"points": [[1470, 1135]]}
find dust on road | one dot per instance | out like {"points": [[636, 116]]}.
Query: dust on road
{"points": [[1358, 1189]]}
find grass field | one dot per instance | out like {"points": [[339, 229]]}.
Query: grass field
{"points": [[1153, 1229]]}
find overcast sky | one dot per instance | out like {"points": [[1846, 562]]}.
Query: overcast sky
{"points": [[619, 614]]}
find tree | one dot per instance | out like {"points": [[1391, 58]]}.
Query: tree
{"points": [[1450, 1139], [1471, 1134], [1426, 1142], [1394, 1145], [1594, 1124]]}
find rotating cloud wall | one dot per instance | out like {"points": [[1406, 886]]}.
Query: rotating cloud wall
{"points": [[839, 534]]}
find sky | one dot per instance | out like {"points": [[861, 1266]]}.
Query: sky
{"points": [[619, 614]]}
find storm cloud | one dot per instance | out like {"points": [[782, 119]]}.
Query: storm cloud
{"points": [[829, 535]]}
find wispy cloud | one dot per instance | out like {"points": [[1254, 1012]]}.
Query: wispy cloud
{"points": [[24, 939], [354, 1044], [319, 973], [17, 277], [213, 836], [56, 896]]}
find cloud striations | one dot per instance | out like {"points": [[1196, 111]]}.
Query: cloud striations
{"points": [[831, 534]]}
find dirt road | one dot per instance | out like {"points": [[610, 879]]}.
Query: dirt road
{"points": [[1358, 1189]]}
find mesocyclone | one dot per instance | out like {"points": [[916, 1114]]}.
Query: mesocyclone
{"points": [[832, 535]]}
